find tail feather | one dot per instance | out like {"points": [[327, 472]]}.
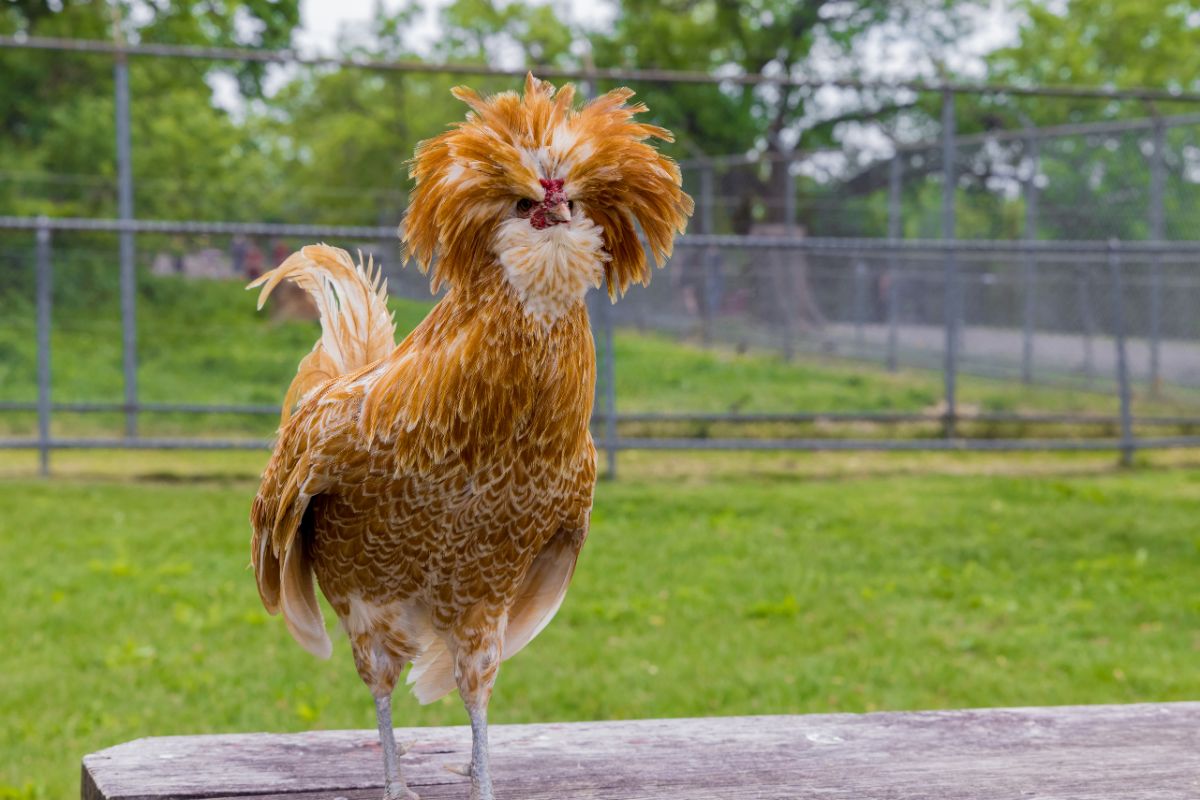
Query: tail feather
{"points": [[432, 673], [301, 612], [356, 326]]}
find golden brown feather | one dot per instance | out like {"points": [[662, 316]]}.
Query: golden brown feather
{"points": [[439, 490]]}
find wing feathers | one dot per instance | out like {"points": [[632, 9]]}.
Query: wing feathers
{"points": [[282, 568]]}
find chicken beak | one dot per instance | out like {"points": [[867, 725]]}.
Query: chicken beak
{"points": [[559, 213]]}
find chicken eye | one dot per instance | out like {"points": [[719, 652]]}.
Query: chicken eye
{"points": [[571, 206], [524, 205]]}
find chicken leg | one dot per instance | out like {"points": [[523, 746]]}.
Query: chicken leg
{"points": [[477, 661], [394, 787], [481, 777]]}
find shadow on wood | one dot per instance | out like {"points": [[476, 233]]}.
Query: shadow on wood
{"points": [[1133, 752]]}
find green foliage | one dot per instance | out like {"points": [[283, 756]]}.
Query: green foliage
{"points": [[331, 145], [190, 158], [1117, 43], [209, 167], [346, 138], [756, 37], [476, 28], [1106, 43]]}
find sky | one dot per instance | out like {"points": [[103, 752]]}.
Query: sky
{"points": [[323, 20]]}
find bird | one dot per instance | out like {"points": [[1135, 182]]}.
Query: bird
{"points": [[439, 491]]}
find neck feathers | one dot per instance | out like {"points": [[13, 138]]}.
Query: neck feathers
{"points": [[550, 269]]}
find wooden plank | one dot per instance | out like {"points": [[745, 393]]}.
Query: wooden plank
{"points": [[1133, 752]]}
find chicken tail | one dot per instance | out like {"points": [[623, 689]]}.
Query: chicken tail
{"points": [[356, 326]]}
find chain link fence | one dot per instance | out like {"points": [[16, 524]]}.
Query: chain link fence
{"points": [[738, 343], [1039, 294]]}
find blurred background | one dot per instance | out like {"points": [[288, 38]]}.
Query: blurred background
{"points": [[927, 362]]}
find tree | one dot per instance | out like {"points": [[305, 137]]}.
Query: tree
{"points": [[1097, 186], [780, 38], [56, 109], [767, 37], [346, 135], [1104, 43]]}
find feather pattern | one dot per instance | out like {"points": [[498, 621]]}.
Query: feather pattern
{"points": [[439, 490]]}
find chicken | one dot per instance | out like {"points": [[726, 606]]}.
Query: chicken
{"points": [[439, 490]]}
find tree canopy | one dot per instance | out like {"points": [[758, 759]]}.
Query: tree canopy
{"points": [[322, 144]]}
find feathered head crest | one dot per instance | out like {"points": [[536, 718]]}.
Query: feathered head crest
{"points": [[510, 147]]}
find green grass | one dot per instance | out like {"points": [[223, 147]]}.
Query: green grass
{"points": [[713, 583], [710, 585], [656, 373], [203, 342]]}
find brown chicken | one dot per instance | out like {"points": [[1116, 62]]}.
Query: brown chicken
{"points": [[440, 490]]}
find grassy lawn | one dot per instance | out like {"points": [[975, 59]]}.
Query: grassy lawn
{"points": [[711, 585], [203, 342]]}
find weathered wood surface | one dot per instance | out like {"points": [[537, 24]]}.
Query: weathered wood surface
{"points": [[1134, 752]]}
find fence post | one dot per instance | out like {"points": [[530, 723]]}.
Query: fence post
{"points": [[1089, 320], [610, 388], [128, 271], [1157, 233], [895, 232], [949, 233], [708, 303], [1114, 269], [860, 302], [1029, 266], [44, 284], [784, 277]]}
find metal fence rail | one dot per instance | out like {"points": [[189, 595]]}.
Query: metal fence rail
{"points": [[813, 244], [834, 273]]}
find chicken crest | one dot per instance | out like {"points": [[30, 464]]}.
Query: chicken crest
{"points": [[539, 157]]}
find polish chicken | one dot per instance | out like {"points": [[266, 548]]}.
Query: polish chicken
{"points": [[439, 490]]}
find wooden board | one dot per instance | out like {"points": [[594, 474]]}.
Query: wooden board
{"points": [[1133, 752]]}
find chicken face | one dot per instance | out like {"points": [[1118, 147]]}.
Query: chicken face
{"points": [[550, 253], [550, 193], [554, 209]]}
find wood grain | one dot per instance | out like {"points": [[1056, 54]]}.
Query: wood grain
{"points": [[1133, 752]]}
